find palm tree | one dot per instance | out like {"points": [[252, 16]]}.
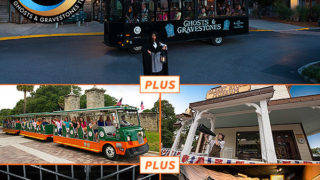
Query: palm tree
{"points": [[25, 89]]}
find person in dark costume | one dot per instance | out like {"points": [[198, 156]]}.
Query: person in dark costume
{"points": [[153, 50]]}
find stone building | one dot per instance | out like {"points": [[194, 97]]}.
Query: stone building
{"points": [[95, 97], [71, 102], [148, 120]]}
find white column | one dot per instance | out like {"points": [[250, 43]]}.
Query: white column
{"points": [[270, 151], [177, 139], [192, 131], [262, 141], [212, 122], [261, 131]]}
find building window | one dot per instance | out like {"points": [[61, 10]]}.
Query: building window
{"points": [[248, 145]]}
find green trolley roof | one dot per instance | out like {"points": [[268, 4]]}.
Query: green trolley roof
{"points": [[56, 113]]}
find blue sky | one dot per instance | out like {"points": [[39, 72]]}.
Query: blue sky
{"points": [[193, 93]]}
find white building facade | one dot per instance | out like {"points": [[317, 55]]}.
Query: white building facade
{"points": [[261, 124]]}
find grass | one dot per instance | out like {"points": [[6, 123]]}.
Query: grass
{"points": [[312, 72], [153, 140]]}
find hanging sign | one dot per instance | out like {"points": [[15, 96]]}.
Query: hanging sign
{"points": [[226, 90]]}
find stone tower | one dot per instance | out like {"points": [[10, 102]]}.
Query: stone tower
{"points": [[95, 97], [71, 101]]}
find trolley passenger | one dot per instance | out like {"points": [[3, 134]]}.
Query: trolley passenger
{"points": [[228, 12], [93, 125], [210, 13], [44, 122], [34, 123], [123, 121], [58, 125], [108, 121], [202, 14], [189, 14], [66, 122], [129, 15], [74, 124], [100, 121], [161, 15], [144, 13], [220, 10], [83, 124], [238, 10], [177, 14]]}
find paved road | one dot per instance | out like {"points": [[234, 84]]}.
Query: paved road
{"points": [[258, 57], [18, 149]]}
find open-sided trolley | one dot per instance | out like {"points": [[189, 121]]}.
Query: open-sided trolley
{"points": [[37, 125], [122, 135]]}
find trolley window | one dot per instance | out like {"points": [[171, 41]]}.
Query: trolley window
{"points": [[188, 9], [147, 11], [162, 10], [214, 8], [175, 10], [114, 10]]}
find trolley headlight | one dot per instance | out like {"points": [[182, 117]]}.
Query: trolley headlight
{"points": [[128, 138], [140, 133]]}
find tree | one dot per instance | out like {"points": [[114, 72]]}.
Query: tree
{"points": [[83, 101], [3, 113], [25, 89], [109, 100], [46, 98], [168, 118], [316, 151], [147, 110]]}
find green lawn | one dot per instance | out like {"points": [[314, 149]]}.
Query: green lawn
{"points": [[153, 140]]}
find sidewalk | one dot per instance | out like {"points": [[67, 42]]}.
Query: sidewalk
{"points": [[12, 29], [270, 25]]}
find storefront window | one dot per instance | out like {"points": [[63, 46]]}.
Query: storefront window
{"points": [[248, 145]]}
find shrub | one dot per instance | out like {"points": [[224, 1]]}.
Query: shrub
{"points": [[315, 12], [283, 11], [312, 72], [303, 13]]}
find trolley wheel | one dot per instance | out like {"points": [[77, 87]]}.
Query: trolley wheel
{"points": [[110, 152], [135, 49], [217, 41]]}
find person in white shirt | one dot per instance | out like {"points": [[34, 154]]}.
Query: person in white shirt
{"points": [[215, 145], [58, 124]]}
